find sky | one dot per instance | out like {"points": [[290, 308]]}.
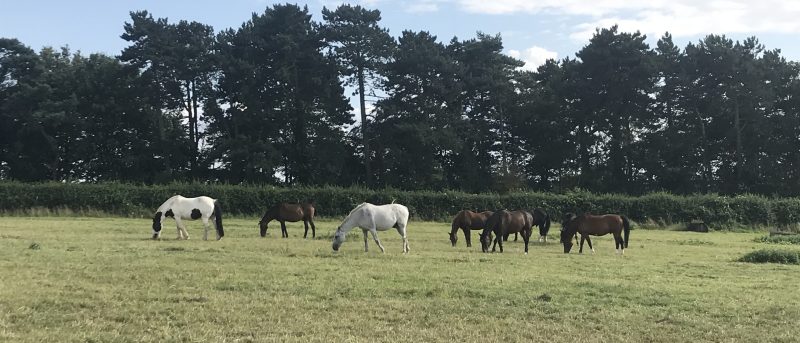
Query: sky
{"points": [[532, 30]]}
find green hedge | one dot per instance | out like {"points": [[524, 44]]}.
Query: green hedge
{"points": [[250, 200]]}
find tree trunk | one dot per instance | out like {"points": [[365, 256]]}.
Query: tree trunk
{"points": [[364, 131], [738, 131], [583, 152], [706, 159]]}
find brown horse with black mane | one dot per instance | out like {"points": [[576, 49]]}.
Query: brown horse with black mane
{"points": [[286, 212], [503, 223], [467, 220], [587, 224]]}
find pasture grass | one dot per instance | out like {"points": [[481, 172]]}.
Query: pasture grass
{"points": [[781, 239], [73, 279]]}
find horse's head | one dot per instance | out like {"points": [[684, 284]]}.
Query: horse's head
{"points": [[338, 238], [486, 240], [262, 224], [157, 225], [453, 238], [568, 229]]}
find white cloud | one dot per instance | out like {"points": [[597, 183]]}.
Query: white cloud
{"points": [[533, 56], [679, 17], [425, 6]]}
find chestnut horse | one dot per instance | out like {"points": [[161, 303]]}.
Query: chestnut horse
{"points": [[467, 220], [587, 224], [286, 212], [502, 223]]}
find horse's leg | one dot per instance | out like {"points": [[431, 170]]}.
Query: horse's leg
{"points": [[374, 233], [305, 224], [402, 232], [589, 240], [515, 236], [583, 239], [467, 236], [620, 244], [501, 245], [366, 249], [205, 227], [284, 234], [313, 228], [182, 234], [526, 237]]}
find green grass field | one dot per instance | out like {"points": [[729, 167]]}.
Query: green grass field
{"points": [[103, 280]]}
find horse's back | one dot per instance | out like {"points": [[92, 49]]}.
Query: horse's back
{"points": [[601, 224], [518, 221], [391, 214]]}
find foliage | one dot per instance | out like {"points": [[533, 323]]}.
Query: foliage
{"points": [[717, 116], [719, 212], [780, 239], [772, 256]]}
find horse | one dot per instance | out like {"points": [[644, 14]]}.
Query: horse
{"points": [[588, 224], [503, 222], [374, 218], [467, 220], [286, 212], [542, 220], [179, 208]]}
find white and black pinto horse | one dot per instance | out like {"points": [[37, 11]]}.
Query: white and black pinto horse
{"points": [[180, 208], [372, 218]]}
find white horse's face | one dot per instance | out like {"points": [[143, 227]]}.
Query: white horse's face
{"points": [[338, 239]]}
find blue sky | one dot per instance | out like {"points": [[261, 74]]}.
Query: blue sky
{"points": [[531, 30]]}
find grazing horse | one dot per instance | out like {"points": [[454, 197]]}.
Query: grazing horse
{"points": [[285, 212], [467, 220], [542, 220], [374, 218], [587, 224], [502, 223], [179, 208]]}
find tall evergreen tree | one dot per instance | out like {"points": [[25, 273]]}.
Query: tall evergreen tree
{"points": [[283, 102], [361, 47], [177, 60]]}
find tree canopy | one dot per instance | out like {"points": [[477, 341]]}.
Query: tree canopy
{"points": [[268, 102]]}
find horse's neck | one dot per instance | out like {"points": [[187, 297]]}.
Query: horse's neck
{"points": [[271, 213], [352, 220], [167, 204]]}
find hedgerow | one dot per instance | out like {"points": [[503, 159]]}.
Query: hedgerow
{"points": [[250, 200], [772, 256]]}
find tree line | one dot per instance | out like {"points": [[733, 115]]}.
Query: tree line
{"points": [[267, 103]]}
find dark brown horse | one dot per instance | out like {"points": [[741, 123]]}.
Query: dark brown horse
{"points": [[467, 220], [587, 224], [502, 223], [542, 220], [286, 212]]}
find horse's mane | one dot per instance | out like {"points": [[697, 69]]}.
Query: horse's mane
{"points": [[357, 207]]}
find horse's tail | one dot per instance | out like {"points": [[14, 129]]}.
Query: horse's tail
{"points": [[546, 225], [626, 226], [218, 218]]}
